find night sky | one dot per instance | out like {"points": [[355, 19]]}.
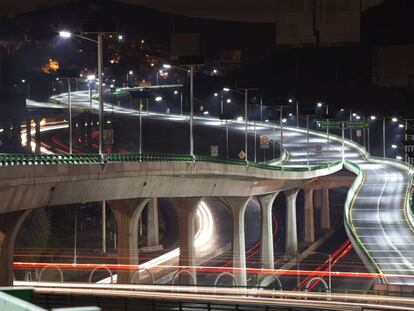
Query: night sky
{"points": [[239, 10]]}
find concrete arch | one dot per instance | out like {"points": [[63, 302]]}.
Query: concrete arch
{"points": [[98, 268], [272, 278], [224, 274], [136, 273], [316, 278], [179, 272], [51, 266]]}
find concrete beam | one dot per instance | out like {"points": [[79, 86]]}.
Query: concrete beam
{"points": [[267, 254], [50, 185], [10, 224], [126, 214], [237, 206]]}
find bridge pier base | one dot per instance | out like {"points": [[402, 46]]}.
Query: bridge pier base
{"points": [[10, 224], [309, 217], [267, 254], [325, 216], [126, 213], [186, 212], [291, 227], [237, 206]]}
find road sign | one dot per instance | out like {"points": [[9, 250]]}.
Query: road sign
{"points": [[338, 124], [214, 151], [264, 141], [357, 125], [318, 148], [242, 155], [325, 124]]}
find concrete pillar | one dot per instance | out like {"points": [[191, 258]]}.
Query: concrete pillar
{"points": [[237, 206], [186, 213], [28, 136], [291, 228], [10, 224], [325, 217], [153, 236], [266, 203], [37, 136], [126, 213], [317, 199], [309, 219]]}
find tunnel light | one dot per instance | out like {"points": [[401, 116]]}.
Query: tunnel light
{"points": [[398, 157], [158, 98], [228, 100], [166, 66], [319, 104], [342, 109], [372, 118], [290, 100], [290, 114], [205, 112], [175, 92], [239, 119], [226, 89], [400, 125], [354, 114], [284, 120], [215, 94], [394, 146], [394, 119], [358, 117]]}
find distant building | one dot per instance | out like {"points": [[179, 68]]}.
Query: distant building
{"points": [[319, 22]]}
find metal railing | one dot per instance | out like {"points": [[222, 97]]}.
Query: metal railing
{"points": [[7, 159]]}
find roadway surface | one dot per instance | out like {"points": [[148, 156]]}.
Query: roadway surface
{"points": [[377, 214]]}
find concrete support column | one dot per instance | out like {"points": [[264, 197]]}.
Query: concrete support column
{"points": [[291, 228], [37, 136], [266, 203], [325, 216], [28, 136], [126, 213], [10, 224], [153, 236], [186, 213], [237, 206], [309, 219]]}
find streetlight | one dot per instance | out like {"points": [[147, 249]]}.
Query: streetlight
{"points": [[297, 110], [383, 118], [168, 66], [246, 94], [99, 43], [129, 73]]}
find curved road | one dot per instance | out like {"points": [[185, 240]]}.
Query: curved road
{"points": [[378, 213]]}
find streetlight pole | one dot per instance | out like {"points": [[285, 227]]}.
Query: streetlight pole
{"points": [[191, 109], [100, 89], [70, 117], [383, 137], [246, 121], [297, 113], [140, 126], [307, 140]]}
